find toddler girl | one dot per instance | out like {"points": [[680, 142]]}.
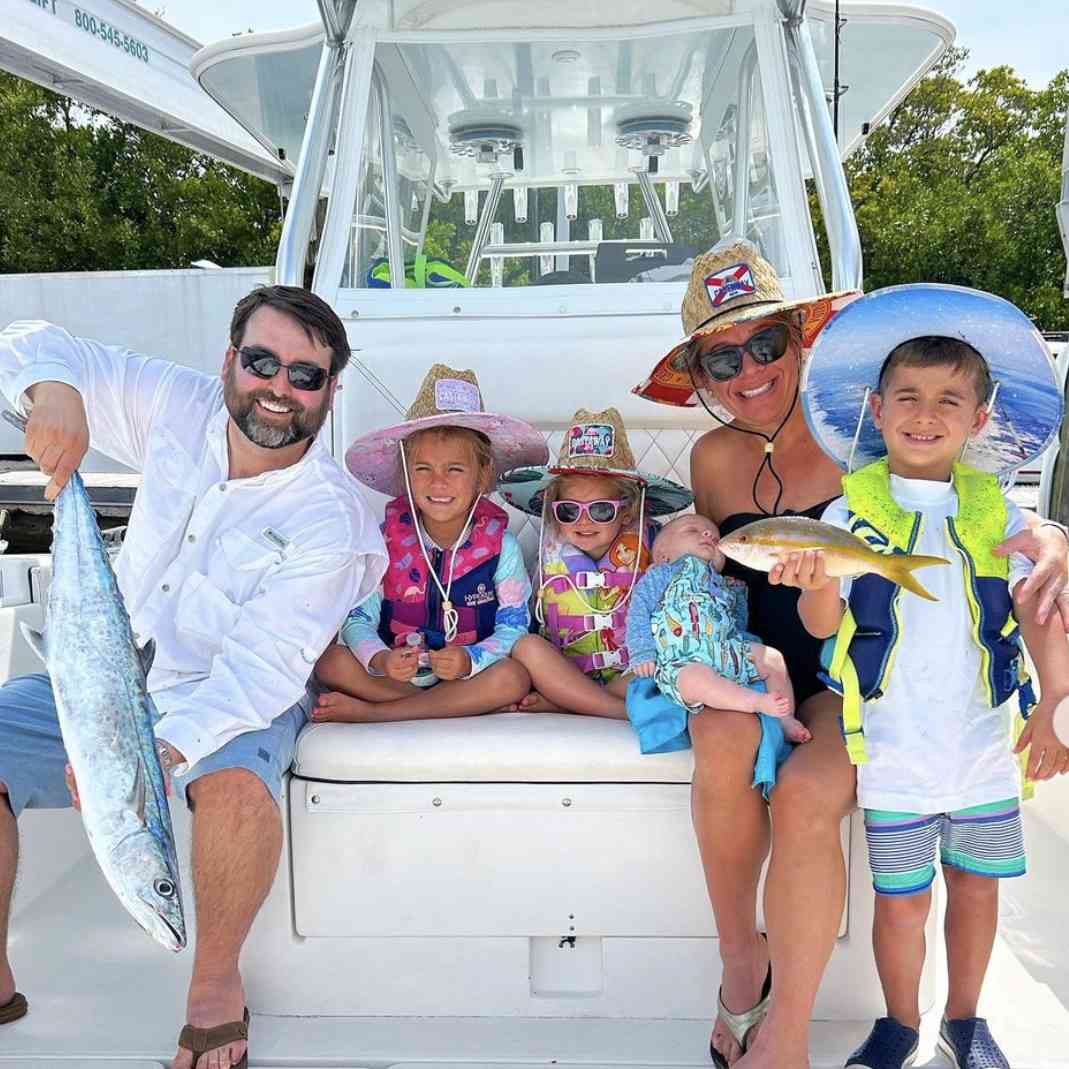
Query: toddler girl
{"points": [[596, 532]]}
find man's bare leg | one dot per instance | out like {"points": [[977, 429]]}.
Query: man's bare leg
{"points": [[562, 684], [237, 840], [806, 883], [9, 857], [502, 684], [723, 797]]}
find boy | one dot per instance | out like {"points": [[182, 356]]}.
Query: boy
{"points": [[926, 682]]}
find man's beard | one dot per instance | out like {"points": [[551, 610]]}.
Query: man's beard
{"points": [[304, 422]]}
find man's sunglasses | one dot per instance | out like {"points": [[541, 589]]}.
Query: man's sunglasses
{"points": [[598, 511], [725, 361], [265, 365]]}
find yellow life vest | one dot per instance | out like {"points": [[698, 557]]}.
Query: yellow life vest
{"points": [[865, 646]]}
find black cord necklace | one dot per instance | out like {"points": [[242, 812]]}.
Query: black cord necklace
{"points": [[770, 445]]}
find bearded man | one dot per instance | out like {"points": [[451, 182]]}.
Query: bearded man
{"points": [[246, 548]]}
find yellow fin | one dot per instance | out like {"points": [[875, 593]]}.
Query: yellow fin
{"points": [[899, 569]]}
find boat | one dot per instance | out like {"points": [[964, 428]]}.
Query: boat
{"points": [[516, 889]]}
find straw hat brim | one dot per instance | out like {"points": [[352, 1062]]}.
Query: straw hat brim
{"points": [[850, 351], [375, 459], [525, 487], [670, 383]]}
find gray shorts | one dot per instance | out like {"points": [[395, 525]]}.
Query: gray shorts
{"points": [[32, 757]]}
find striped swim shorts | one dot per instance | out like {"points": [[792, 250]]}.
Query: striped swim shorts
{"points": [[983, 839]]}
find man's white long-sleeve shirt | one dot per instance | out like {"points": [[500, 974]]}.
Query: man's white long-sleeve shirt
{"points": [[241, 583]]}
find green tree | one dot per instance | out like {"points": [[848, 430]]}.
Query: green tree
{"points": [[959, 186], [81, 192]]}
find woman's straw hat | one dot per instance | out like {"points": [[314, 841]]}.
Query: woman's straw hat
{"points": [[730, 284], [447, 398], [595, 443]]}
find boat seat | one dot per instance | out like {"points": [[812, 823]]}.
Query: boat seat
{"points": [[500, 748]]}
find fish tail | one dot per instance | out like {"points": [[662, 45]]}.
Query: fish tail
{"points": [[900, 569]]}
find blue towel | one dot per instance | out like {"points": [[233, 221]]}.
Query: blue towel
{"points": [[662, 728]]}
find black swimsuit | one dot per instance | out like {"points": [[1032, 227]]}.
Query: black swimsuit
{"points": [[774, 611]]}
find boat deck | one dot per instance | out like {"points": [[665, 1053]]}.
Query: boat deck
{"points": [[104, 996]]}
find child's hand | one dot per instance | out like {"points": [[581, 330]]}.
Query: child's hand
{"points": [[1048, 757], [645, 669], [806, 570], [401, 663], [454, 662]]}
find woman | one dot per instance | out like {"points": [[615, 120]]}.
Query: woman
{"points": [[742, 361]]}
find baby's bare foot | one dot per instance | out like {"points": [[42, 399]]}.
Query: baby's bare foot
{"points": [[795, 730], [774, 704]]}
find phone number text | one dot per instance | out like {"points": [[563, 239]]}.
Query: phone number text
{"points": [[104, 31]]}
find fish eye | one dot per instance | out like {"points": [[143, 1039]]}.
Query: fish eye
{"points": [[164, 888]]}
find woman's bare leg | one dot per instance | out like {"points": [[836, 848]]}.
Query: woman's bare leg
{"points": [[806, 883], [562, 684], [731, 824]]}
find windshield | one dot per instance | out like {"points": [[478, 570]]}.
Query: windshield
{"points": [[530, 162]]}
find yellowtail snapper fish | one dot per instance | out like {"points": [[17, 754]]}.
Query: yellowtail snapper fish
{"points": [[765, 543]]}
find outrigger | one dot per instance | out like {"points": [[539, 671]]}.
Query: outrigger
{"points": [[516, 188]]}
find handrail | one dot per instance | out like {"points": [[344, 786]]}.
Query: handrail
{"points": [[744, 142], [482, 232], [311, 166], [395, 249], [337, 17], [654, 206], [843, 237]]}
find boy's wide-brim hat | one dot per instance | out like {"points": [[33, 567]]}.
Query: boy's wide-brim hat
{"points": [[447, 398], [594, 443], [730, 284], [851, 350]]}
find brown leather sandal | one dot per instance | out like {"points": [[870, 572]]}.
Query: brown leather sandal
{"points": [[199, 1041], [14, 1009]]}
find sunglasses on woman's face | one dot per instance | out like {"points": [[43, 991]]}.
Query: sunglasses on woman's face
{"points": [[725, 361], [265, 365], [604, 511]]}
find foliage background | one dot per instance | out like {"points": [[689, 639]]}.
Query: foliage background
{"points": [[959, 186]]}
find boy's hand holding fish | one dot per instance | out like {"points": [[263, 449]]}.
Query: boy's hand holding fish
{"points": [[806, 569]]}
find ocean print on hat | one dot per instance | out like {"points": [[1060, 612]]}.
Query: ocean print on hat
{"points": [[851, 350], [731, 283], [595, 443], [446, 398]]}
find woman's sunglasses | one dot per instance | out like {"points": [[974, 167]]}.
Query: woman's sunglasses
{"points": [[265, 365], [725, 361], [597, 511]]}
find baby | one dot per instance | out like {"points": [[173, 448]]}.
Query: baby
{"points": [[686, 629]]}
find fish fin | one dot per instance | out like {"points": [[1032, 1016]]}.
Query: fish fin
{"points": [[900, 570], [137, 793], [147, 654], [16, 419], [35, 639]]}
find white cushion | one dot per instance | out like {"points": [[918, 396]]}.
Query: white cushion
{"points": [[499, 748]]}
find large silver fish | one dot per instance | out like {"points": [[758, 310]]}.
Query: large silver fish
{"points": [[106, 716]]}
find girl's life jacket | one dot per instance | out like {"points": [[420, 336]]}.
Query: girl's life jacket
{"points": [[411, 600]]}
